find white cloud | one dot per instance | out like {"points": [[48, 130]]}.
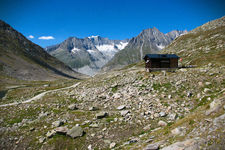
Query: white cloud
{"points": [[31, 36], [46, 38]]}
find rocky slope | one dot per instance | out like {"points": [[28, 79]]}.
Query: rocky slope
{"points": [[86, 55], [128, 108], [202, 45], [22, 59], [148, 41]]}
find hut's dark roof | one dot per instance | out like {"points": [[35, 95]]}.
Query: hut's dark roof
{"points": [[161, 56]]}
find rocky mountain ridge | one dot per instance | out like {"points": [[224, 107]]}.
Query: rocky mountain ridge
{"points": [[148, 41], [86, 55]]}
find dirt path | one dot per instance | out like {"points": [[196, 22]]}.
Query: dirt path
{"points": [[39, 96]]}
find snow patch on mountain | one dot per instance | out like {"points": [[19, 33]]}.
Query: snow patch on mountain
{"points": [[160, 46], [122, 45], [109, 50], [90, 51], [74, 50], [105, 48], [93, 36]]}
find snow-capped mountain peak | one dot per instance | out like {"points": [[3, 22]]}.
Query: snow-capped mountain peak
{"points": [[90, 53], [93, 36]]}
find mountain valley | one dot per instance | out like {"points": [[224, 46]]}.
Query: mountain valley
{"points": [[122, 107]]}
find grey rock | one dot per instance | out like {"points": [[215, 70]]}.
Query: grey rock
{"points": [[50, 133], [149, 140], [117, 95], [176, 131], [72, 107], [43, 114], [133, 140], [121, 107], [101, 115], [112, 145], [57, 123], [162, 114], [94, 125], [162, 123], [124, 112], [172, 116], [219, 120], [42, 140], [32, 129], [61, 130], [148, 127], [208, 83], [46, 85], [90, 147], [206, 90], [190, 144], [156, 115], [93, 108], [76, 131], [214, 106], [154, 146], [189, 94], [107, 141]]}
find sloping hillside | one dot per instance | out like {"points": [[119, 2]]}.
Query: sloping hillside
{"points": [[202, 45], [22, 59]]}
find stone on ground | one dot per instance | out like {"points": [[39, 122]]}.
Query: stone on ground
{"points": [[76, 131]]}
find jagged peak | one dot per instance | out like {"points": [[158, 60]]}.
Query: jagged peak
{"points": [[94, 36]]}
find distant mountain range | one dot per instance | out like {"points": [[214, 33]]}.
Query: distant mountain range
{"points": [[86, 55], [22, 59], [91, 54], [148, 41]]}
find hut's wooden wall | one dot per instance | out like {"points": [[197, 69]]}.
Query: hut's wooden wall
{"points": [[173, 63]]}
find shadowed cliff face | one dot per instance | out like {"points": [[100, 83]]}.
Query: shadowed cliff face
{"points": [[22, 59]]}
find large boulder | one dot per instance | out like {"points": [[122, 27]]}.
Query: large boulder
{"points": [[50, 133], [121, 107], [152, 147], [72, 107], [61, 130], [75, 132], [57, 123], [190, 144], [162, 123], [124, 112], [101, 115], [214, 106]]}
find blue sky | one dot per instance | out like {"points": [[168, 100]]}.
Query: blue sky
{"points": [[57, 20]]}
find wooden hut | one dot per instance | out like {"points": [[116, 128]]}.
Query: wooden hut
{"points": [[161, 61]]}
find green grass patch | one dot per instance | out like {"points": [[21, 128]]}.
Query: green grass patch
{"points": [[156, 86], [191, 122], [114, 89]]}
